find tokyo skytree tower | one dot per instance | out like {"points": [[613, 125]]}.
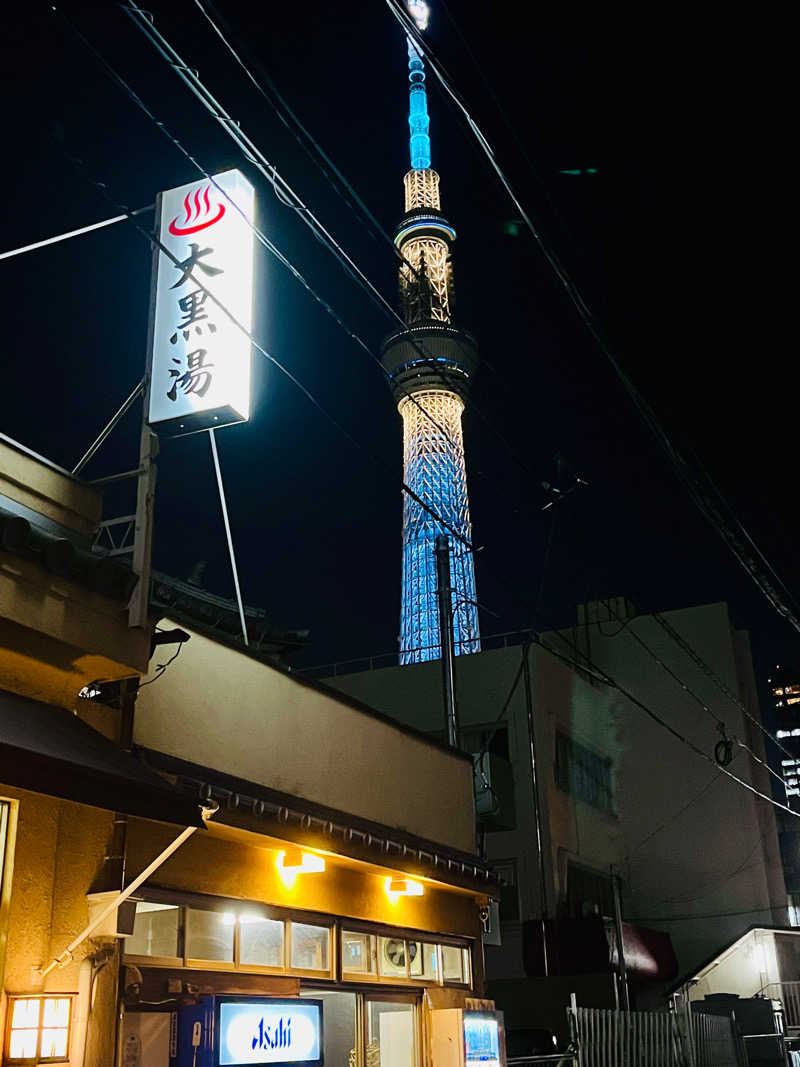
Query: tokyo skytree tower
{"points": [[429, 364]]}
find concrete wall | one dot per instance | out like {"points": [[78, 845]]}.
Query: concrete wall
{"points": [[219, 708], [697, 852]]}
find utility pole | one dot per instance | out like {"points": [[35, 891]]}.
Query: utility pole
{"points": [[446, 636], [537, 808]]}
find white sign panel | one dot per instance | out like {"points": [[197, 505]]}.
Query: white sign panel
{"points": [[200, 360], [263, 1031]]}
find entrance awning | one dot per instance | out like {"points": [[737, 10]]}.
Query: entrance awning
{"points": [[49, 750]]}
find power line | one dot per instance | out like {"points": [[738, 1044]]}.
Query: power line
{"points": [[696, 480], [290, 198], [603, 675], [259, 234], [721, 725], [696, 658], [666, 726]]}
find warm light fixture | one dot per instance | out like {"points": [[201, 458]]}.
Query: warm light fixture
{"points": [[402, 887], [293, 861]]}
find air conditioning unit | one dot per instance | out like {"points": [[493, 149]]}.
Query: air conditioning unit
{"points": [[494, 791], [119, 922]]}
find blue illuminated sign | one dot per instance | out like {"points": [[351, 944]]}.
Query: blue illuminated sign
{"points": [[270, 1031], [482, 1038]]}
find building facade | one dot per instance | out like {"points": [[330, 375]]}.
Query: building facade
{"points": [[694, 855], [330, 891]]}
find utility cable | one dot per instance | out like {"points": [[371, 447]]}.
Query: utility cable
{"points": [[695, 479], [259, 234], [723, 746], [670, 729], [145, 22], [696, 658], [153, 239]]}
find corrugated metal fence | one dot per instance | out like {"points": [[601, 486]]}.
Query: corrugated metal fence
{"points": [[651, 1039]]}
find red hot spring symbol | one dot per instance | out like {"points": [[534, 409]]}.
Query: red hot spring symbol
{"points": [[199, 214]]}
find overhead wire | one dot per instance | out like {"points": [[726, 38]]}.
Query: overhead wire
{"points": [[592, 667], [721, 725], [702, 489], [262, 238], [146, 23]]}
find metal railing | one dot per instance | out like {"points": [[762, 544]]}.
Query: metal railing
{"points": [[555, 1059], [608, 1038], [788, 993], [508, 639]]}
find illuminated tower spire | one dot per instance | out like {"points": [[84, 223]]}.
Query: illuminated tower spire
{"points": [[429, 364]]}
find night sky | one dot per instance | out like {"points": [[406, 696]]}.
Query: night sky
{"points": [[664, 240]]}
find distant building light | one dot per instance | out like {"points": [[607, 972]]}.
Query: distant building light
{"points": [[784, 733]]}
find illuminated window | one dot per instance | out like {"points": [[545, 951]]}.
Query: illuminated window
{"points": [[38, 1029], [777, 692], [791, 689], [793, 700], [358, 953], [310, 947], [260, 941], [209, 935], [156, 929]]}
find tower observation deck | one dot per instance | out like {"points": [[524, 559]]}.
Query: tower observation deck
{"points": [[430, 363]]}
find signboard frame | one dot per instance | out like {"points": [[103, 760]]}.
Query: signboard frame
{"points": [[201, 324], [289, 1003]]}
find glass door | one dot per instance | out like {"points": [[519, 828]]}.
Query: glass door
{"points": [[339, 1026], [392, 1037]]}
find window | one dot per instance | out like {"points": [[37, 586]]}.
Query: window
{"points": [[583, 773], [454, 966], [156, 930], [589, 893], [310, 947], [792, 689], [209, 935], [260, 941], [38, 1029], [509, 893], [358, 953]]}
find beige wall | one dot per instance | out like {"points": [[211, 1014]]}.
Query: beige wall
{"points": [[219, 708], [232, 863], [718, 857], [58, 852], [38, 485]]}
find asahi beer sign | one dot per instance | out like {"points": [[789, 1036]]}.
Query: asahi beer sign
{"points": [[200, 360], [270, 1031]]}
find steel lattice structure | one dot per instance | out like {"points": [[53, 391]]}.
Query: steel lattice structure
{"points": [[429, 364], [434, 468]]}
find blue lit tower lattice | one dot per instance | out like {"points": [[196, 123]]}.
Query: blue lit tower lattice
{"points": [[430, 363]]}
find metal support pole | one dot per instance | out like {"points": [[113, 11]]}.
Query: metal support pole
{"points": [[139, 605], [537, 808], [623, 973], [228, 535], [446, 636], [115, 419]]}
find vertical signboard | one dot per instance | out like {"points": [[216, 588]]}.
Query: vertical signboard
{"points": [[199, 358]]}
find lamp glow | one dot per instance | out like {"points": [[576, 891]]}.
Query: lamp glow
{"points": [[293, 861], [402, 887]]}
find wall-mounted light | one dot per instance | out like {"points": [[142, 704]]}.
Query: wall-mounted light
{"points": [[402, 887], [293, 861]]}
